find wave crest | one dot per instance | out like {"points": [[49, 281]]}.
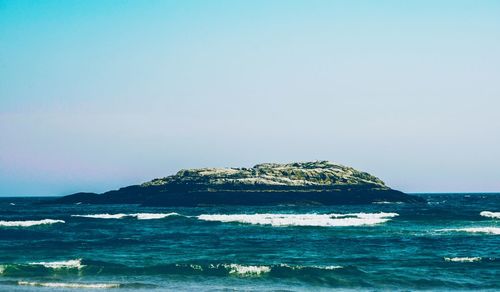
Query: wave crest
{"points": [[463, 259], [69, 285], [102, 216], [70, 264], [490, 214], [28, 223], [93, 268], [241, 270], [139, 216], [323, 220], [310, 267], [487, 230], [148, 216]]}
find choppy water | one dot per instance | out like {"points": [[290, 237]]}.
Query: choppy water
{"points": [[447, 244]]}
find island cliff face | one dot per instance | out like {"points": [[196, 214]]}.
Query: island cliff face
{"points": [[301, 183]]}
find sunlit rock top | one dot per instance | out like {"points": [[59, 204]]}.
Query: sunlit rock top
{"points": [[316, 173]]}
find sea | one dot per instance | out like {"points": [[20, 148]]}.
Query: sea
{"points": [[450, 243]]}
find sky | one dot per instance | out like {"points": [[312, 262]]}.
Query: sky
{"points": [[96, 95]]}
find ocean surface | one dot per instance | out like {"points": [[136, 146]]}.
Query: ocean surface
{"points": [[450, 243]]}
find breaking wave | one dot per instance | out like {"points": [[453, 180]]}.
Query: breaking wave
{"points": [[28, 223], [311, 267], [247, 270], [41, 268], [387, 202], [487, 230], [490, 214], [463, 259], [70, 285], [240, 270], [70, 264], [92, 268], [148, 216], [323, 220], [102, 216], [140, 216]]}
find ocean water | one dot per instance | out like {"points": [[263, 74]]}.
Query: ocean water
{"points": [[450, 243]]}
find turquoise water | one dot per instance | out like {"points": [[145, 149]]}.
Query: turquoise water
{"points": [[442, 245]]}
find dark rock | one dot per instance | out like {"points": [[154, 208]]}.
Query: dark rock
{"points": [[305, 183]]}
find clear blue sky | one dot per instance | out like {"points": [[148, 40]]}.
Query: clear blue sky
{"points": [[95, 95]]}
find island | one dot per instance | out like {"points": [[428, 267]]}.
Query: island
{"points": [[299, 183]]}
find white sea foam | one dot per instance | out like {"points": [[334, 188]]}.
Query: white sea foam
{"points": [[70, 264], [314, 267], [70, 285], [140, 216], [192, 266], [366, 215], [28, 223], [490, 214], [148, 216], [325, 220], [488, 230], [241, 270], [328, 267], [463, 260], [102, 216]]}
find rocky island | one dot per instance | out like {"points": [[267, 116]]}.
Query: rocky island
{"points": [[301, 183]]}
